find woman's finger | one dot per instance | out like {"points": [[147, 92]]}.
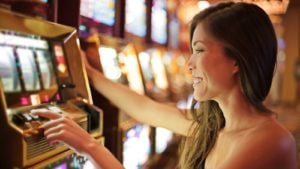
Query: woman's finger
{"points": [[54, 129], [56, 137], [53, 123]]}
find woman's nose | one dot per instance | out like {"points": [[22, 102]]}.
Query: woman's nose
{"points": [[190, 64]]}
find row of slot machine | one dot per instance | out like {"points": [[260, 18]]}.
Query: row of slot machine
{"points": [[127, 41], [147, 71]]}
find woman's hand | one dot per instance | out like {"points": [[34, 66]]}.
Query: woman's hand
{"points": [[61, 128]]}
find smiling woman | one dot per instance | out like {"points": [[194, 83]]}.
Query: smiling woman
{"points": [[234, 53], [233, 57], [214, 73]]}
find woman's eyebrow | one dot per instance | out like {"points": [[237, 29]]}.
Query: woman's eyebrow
{"points": [[198, 41]]}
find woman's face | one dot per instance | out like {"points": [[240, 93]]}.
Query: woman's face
{"points": [[212, 71]]}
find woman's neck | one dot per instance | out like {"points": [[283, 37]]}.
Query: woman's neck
{"points": [[239, 113]]}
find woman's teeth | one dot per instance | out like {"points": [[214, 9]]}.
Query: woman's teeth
{"points": [[197, 81]]}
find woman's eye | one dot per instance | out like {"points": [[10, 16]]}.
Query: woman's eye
{"points": [[198, 50]]}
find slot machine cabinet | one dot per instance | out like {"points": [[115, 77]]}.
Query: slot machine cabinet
{"points": [[40, 68], [157, 87], [118, 61], [179, 76], [154, 72], [141, 29]]}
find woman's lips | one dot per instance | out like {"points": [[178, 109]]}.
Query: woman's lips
{"points": [[197, 80]]}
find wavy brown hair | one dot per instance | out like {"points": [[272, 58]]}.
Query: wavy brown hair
{"points": [[248, 37]]}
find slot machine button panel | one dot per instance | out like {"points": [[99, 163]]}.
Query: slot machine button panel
{"points": [[19, 119]]}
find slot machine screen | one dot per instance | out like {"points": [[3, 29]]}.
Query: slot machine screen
{"points": [[136, 147], [97, 16], [121, 65], [153, 70], [28, 69], [110, 63], [46, 69], [102, 11], [162, 139], [158, 68], [159, 21], [8, 71], [147, 71], [173, 38], [130, 66], [135, 17]]}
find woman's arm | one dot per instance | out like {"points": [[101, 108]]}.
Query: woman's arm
{"points": [[138, 106]]}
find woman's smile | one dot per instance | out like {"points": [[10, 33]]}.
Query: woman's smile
{"points": [[197, 81]]}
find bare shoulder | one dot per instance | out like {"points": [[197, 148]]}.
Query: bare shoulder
{"points": [[276, 132], [268, 147]]}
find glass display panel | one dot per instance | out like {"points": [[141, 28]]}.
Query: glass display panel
{"points": [[131, 68], [174, 32], [158, 68], [145, 62], [8, 72], [86, 8], [28, 69], [159, 21], [110, 63], [46, 69], [136, 147], [102, 11], [162, 139], [135, 17]]}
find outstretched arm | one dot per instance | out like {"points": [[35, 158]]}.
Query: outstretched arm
{"points": [[63, 129], [139, 106]]}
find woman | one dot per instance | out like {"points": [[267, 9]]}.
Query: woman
{"points": [[232, 63]]}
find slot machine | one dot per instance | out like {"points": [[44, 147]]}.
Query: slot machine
{"points": [[154, 73], [146, 27], [41, 69], [127, 139], [117, 59]]}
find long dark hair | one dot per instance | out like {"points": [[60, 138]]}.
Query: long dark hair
{"points": [[247, 36]]}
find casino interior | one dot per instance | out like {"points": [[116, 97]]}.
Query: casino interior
{"points": [[143, 44]]}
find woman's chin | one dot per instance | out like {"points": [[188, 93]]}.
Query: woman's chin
{"points": [[199, 98]]}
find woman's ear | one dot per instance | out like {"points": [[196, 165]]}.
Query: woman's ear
{"points": [[235, 68]]}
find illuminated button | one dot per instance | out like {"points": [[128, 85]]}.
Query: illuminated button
{"points": [[46, 98], [34, 117], [24, 100], [27, 117], [55, 109]]}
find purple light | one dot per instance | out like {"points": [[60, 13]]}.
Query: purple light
{"points": [[62, 166]]}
